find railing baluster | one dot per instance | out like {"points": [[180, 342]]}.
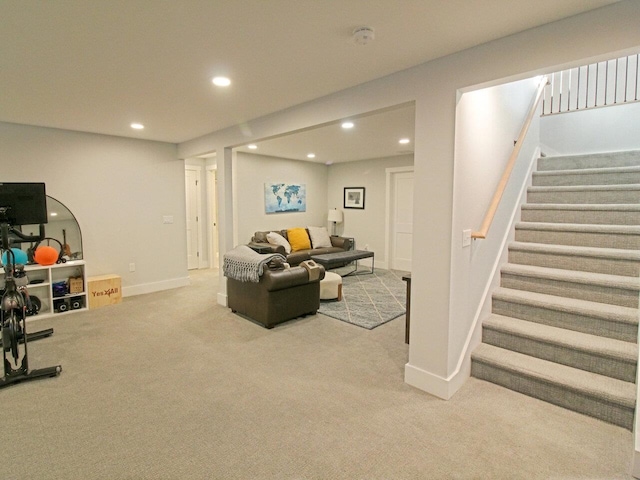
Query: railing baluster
{"points": [[615, 88], [566, 89], [606, 83], [596, 82], [578, 90], [569, 93], [586, 97], [626, 78], [553, 91], [637, 63]]}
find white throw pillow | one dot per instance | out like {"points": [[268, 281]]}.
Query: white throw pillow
{"points": [[276, 239], [319, 237]]}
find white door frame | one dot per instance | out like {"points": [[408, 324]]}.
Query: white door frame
{"points": [[389, 172], [198, 170], [212, 220]]}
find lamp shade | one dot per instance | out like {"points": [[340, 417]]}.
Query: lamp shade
{"points": [[335, 216]]}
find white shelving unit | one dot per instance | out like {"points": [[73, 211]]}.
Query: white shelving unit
{"points": [[47, 277]]}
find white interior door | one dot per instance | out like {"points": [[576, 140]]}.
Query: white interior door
{"points": [[401, 221], [194, 237]]}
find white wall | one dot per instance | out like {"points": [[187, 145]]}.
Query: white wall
{"points": [[118, 189], [325, 187], [603, 129], [487, 123], [252, 171], [365, 226], [434, 87]]}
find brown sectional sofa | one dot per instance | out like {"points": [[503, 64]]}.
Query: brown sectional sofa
{"points": [[259, 240]]}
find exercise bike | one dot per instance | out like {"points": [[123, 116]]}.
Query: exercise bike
{"points": [[14, 305]]}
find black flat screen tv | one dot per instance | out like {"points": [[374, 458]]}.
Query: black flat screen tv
{"points": [[26, 202]]}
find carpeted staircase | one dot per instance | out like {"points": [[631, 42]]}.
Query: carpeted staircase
{"points": [[564, 322]]}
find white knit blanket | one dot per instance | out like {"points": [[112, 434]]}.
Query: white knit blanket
{"points": [[246, 265]]}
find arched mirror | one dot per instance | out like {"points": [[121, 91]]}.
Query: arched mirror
{"points": [[62, 226]]}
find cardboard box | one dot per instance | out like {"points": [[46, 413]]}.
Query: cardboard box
{"points": [[104, 290], [76, 285]]}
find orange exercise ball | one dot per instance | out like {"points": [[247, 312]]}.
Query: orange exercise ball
{"points": [[46, 255]]}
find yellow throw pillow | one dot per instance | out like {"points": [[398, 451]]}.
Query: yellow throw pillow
{"points": [[299, 239]]}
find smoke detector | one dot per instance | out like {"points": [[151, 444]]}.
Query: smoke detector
{"points": [[363, 35]]}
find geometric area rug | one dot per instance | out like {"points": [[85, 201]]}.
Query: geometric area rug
{"points": [[369, 300]]}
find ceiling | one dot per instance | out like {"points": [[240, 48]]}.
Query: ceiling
{"points": [[98, 66], [375, 135]]}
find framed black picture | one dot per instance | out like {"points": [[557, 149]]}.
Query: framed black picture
{"points": [[354, 197]]}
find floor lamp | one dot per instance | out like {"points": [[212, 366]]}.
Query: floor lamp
{"points": [[335, 216]]}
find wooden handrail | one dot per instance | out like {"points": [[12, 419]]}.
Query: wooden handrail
{"points": [[491, 211]]}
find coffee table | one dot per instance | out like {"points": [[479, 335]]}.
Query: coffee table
{"points": [[339, 259]]}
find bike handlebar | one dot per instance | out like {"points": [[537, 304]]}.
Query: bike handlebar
{"points": [[24, 238], [30, 238]]}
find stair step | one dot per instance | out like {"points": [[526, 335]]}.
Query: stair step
{"points": [[593, 160], [611, 321], [596, 395], [604, 356], [626, 237], [596, 287], [588, 176], [587, 259], [629, 193], [611, 214], [564, 326]]}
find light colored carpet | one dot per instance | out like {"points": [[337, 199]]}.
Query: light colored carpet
{"points": [[369, 299], [173, 386]]}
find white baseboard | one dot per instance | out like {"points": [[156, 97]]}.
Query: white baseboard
{"points": [[436, 385], [635, 464], [222, 299], [155, 286]]}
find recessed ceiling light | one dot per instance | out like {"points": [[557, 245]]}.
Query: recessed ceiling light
{"points": [[347, 125], [311, 155], [53, 214], [137, 126], [252, 146], [404, 141], [221, 81]]}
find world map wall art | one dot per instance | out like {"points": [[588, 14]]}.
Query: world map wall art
{"points": [[285, 197]]}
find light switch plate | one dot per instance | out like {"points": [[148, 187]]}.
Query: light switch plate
{"points": [[466, 238]]}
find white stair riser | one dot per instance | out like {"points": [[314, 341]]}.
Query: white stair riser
{"points": [[556, 394], [589, 361], [624, 297], [605, 327]]}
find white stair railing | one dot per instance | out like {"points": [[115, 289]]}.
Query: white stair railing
{"points": [[596, 85]]}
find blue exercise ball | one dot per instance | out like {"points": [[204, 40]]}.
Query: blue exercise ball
{"points": [[18, 256]]}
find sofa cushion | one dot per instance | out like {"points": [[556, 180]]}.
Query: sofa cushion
{"points": [[299, 239], [295, 258], [276, 239], [319, 237]]}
